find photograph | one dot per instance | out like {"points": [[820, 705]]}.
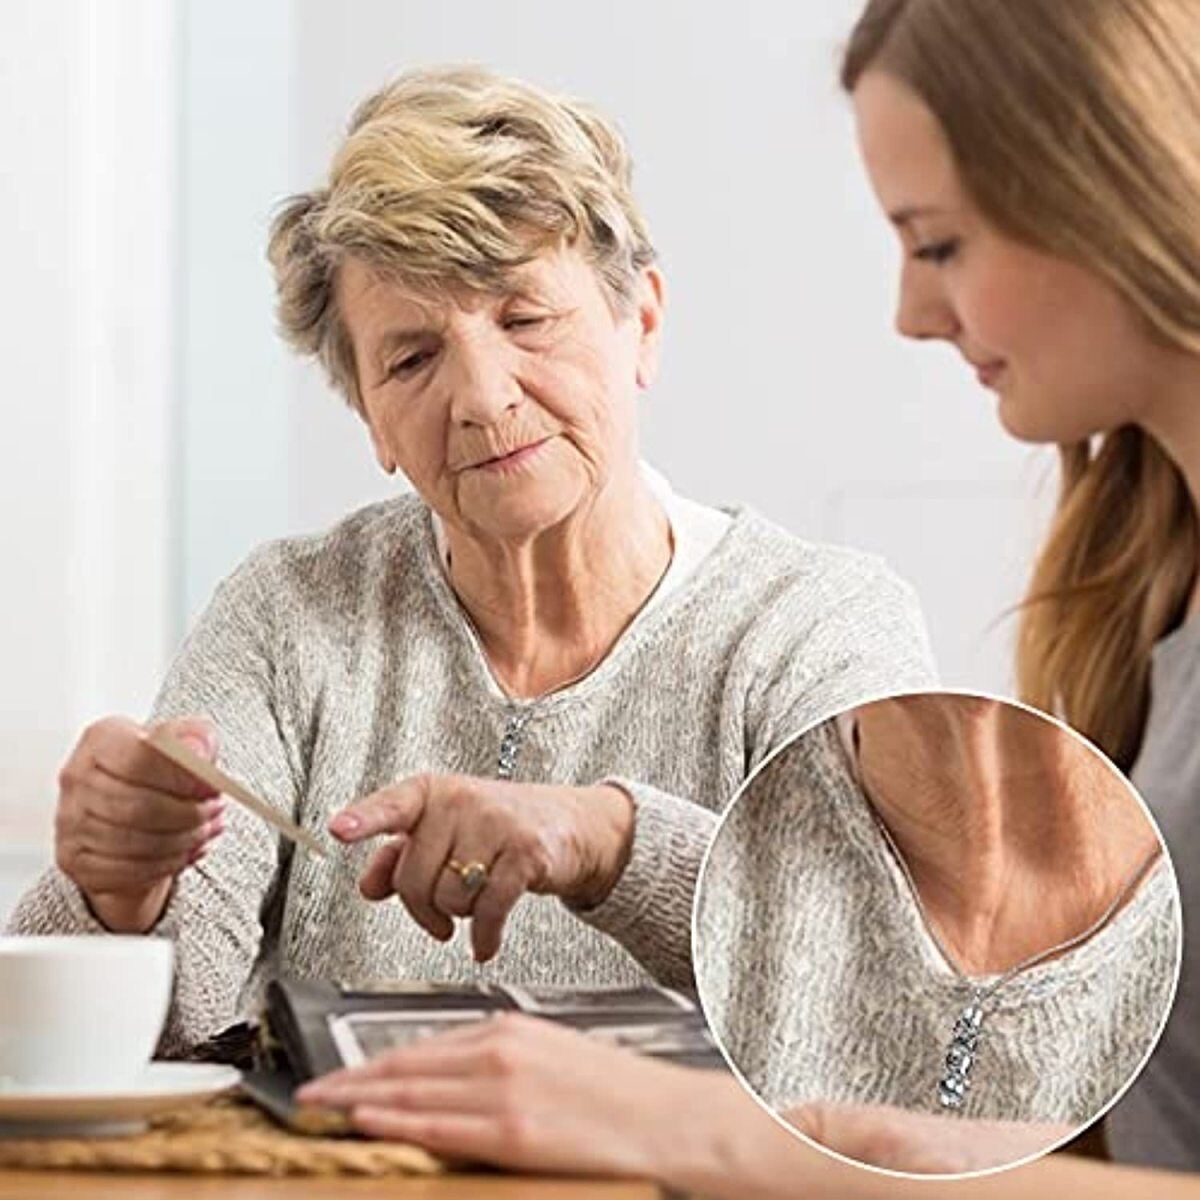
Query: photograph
{"points": [[663, 1040], [360, 1037], [563, 1002]]}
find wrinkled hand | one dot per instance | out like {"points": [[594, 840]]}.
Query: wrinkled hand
{"points": [[920, 1143], [129, 820], [525, 1094], [571, 842]]}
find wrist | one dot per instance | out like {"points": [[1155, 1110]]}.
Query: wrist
{"points": [[610, 820], [706, 1146], [730, 1137], [130, 914]]}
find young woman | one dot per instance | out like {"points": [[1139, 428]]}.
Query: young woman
{"points": [[1040, 162]]}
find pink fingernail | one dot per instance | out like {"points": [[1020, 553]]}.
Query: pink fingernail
{"points": [[346, 823], [198, 743]]}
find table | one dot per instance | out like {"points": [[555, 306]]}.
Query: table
{"points": [[107, 1185]]}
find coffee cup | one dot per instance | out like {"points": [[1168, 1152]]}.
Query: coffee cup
{"points": [[80, 1014]]}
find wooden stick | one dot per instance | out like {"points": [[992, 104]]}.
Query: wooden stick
{"points": [[206, 772]]}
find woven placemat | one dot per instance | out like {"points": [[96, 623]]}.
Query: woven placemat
{"points": [[228, 1136]]}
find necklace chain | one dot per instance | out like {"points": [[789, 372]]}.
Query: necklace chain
{"points": [[1032, 960], [967, 1031]]}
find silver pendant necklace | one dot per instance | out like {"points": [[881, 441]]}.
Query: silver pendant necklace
{"points": [[510, 743], [962, 1050], [512, 740], [966, 1033]]}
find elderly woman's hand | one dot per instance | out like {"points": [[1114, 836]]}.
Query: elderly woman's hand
{"points": [[129, 820], [497, 1092], [467, 847], [921, 1143]]}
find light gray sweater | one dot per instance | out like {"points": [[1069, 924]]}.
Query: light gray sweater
{"points": [[336, 664], [822, 983]]}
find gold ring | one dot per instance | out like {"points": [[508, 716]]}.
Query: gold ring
{"points": [[473, 874]]}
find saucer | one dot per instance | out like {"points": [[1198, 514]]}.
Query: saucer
{"points": [[98, 1113]]}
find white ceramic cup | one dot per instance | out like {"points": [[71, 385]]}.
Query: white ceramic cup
{"points": [[80, 1014]]}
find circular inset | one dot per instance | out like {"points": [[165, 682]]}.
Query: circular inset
{"points": [[937, 935]]}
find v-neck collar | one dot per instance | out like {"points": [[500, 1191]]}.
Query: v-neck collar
{"points": [[862, 827], [649, 617]]}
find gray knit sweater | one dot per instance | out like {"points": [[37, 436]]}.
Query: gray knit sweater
{"points": [[822, 983], [336, 664]]}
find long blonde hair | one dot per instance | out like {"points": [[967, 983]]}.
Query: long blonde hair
{"points": [[1073, 124]]}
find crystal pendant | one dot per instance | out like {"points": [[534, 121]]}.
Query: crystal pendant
{"points": [[510, 745], [960, 1057]]}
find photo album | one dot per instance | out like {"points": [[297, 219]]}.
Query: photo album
{"points": [[310, 1027]]}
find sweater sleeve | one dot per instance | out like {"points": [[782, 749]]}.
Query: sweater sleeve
{"points": [[227, 670], [807, 659]]}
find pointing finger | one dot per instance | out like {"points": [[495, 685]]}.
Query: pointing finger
{"points": [[395, 809]]}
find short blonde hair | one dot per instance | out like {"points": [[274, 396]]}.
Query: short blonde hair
{"points": [[452, 178]]}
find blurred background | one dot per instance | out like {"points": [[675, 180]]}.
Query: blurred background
{"points": [[156, 429]]}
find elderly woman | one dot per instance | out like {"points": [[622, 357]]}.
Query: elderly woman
{"points": [[541, 676]]}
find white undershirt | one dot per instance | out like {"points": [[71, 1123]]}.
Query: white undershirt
{"points": [[695, 531]]}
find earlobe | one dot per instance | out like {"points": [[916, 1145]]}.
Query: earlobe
{"points": [[383, 456], [650, 317], [647, 364]]}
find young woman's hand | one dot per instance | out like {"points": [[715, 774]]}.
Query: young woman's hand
{"points": [[920, 1143], [525, 1094]]}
